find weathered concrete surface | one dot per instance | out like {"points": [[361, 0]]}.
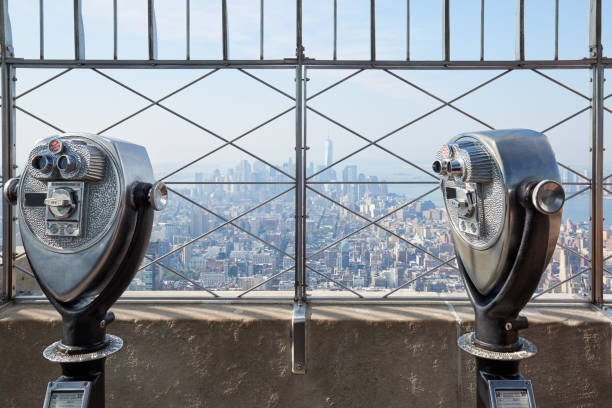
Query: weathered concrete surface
{"points": [[206, 355]]}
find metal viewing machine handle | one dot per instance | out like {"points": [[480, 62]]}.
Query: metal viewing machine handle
{"points": [[504, 200], [85, 205]]}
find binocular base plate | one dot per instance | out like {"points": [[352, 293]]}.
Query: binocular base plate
{"points": [[467, 344], [55, 353]]}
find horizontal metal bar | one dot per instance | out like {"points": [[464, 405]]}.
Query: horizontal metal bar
{"points": [[312, 63], [229, 182], [186, 298], [566, 183], [371, 182]]}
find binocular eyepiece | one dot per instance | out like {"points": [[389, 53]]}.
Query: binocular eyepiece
{"points": [[67, 160]]}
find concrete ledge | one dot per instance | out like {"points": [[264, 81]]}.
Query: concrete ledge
{"points": [[229, 355]]}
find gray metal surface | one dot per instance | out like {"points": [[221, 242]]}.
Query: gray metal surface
{"points": [[298, 338], [518, 155], [101, 201], [466, 343], [55, 354], [68, 265]]}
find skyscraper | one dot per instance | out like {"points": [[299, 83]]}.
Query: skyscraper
{"points": [[328, 153]]}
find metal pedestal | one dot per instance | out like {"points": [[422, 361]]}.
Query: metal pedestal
{"points": [[82, 382], [499, 383]]}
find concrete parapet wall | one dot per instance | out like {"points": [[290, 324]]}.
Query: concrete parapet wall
{"points": [[359, 355]]}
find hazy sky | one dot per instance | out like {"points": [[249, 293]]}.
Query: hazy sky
{"points": [[372, 103]]}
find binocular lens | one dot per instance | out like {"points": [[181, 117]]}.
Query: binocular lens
{"points": [[437, 166], [67, 163], [42, 163]]}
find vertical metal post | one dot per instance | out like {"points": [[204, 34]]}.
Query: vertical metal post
{"points": [[597, 112], [556, 30], [188, 30], [79, 34], [373, 30], [41, 28], [298, 324], [300, 281], [114, 29], [482, 25], [407, 30], [519, 31], [261, 30], [8, 151], [335, 29], [224, 28], [152, 30], [446, 30]]}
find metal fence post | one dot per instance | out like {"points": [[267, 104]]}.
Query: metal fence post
{"points": [[597, 112], [298, 324], [8, 152]]}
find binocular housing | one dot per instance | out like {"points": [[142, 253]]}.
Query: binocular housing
{"points": [[85, 205], [504, 201]]}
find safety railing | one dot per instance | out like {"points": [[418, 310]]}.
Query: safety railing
{"points": [[327, 212]]}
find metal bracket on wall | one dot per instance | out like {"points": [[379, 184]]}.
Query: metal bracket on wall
{"points": [[298, 338]]}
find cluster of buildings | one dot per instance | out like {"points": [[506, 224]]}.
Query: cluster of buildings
{"points": [[212, 245]]}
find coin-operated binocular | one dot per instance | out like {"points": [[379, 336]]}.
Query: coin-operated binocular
{"points": [[503, 198], [85, 207]]}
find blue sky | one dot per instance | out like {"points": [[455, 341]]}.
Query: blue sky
{"points": [[372, 103]]}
